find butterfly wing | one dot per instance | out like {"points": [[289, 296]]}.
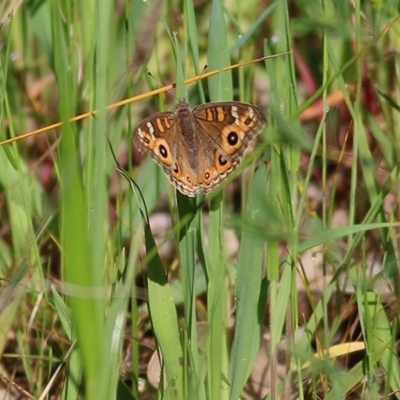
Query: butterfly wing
{"points": [[155, 136], [160, 136], [227, 128]]}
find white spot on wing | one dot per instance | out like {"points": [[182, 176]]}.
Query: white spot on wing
{"points": [[235, 114], [151, 128], [251, 112]]}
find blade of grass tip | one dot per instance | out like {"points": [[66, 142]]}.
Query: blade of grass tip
{"points": [[323, 236], [251, 289], [64, 315], [220, 88], [164, 317], [385, 143], [86, 314]]}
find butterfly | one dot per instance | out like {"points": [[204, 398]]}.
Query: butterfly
{"points": [[199, 148]]}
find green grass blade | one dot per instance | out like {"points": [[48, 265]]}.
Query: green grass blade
{"points": [[220, 88], [250, 293], [164, 318], [78, 269]]}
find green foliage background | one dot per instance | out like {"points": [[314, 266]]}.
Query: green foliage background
{"points": [[73, 322]]}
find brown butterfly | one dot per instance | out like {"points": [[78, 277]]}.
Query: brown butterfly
{"points": [[199, 148]]}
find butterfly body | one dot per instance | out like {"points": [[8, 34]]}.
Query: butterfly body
{"points": [[199, 148]]}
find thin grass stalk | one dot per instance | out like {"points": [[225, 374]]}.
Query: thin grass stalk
{"points": [[220, 88]]}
